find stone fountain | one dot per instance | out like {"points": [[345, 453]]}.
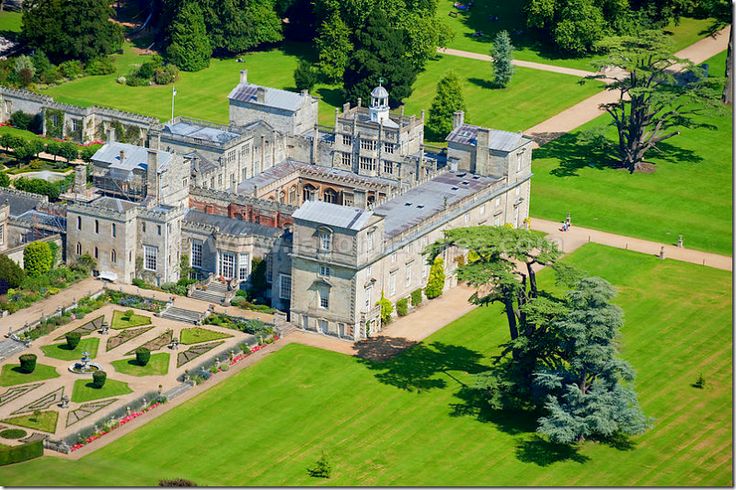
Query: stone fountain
{"points": [[84, 365]]}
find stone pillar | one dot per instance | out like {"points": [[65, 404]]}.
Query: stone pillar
{"points": [[80, 179]]}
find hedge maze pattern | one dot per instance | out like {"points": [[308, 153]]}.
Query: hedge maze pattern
{"points": [[195, 351], [156, 344], [17, 392], [125, 336], [44, 402], [87, 328], [84, 411]]}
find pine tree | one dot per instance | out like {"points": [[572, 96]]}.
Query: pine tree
{"points": [[334, 47], [380, 53], [501, 52], [190, 47], [436, 279], [447, 101], [305, 76]]}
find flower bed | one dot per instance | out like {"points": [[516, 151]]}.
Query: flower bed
{"points": [[128, 418]]}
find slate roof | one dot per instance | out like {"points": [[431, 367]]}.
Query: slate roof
{"points": [[33, 216], [193, 130], [114, 204], [274, 97], [333, 215], [499, 140], [136, 157], [199, 163], [230, 226], [426, 200], [19, 203]]}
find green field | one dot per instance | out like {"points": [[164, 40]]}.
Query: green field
{"points": [[528, 46], [406, 422], [528, 93], [689, 193], [10, 22]]}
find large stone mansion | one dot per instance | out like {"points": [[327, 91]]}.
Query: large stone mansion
{"points": [[340, 215]]}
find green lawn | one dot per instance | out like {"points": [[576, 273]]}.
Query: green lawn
{"points": [[528, 93], [10, 22], [528, 46], [84, 391], [12, 375], [688, 194], [197, 335], [379, 428], [158, 365], [120, 321], [46, 421], [62, 351]]}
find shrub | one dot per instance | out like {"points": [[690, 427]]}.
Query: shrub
{"points": [[386, 309], [37, 258], [12, 433], [71, 69], [16, 454], [38, 186], [176, 482], [98, 379], [700, 382], [136, 81], [416, 297], [436, 279], [128, 315], [100, 66], [164, 75], [4, 180], [142, 356], [402, 307], [73, 339], [21, 120], [321, 468], [28, 363], [11, 275]]}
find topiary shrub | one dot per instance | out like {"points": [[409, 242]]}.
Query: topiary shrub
{"points": [[402, 307], [37, 258], [436, 279], [12, 433], [73, 339], [28, 363], [416, 297], [21, 120], [98, 379], [176, 482], [142, 356]]}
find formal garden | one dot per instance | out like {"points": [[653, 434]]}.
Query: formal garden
{"points": [[91, 369]]}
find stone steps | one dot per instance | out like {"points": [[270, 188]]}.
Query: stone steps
{"points": [[209, 296], [182, 315], [217, 287]]}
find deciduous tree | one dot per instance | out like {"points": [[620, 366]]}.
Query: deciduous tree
{"points": [[334, 47]]}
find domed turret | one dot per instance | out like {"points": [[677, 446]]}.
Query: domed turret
{"points": [[379, 109]]}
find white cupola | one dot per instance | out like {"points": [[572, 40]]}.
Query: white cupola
{"points": [[379, 109]]}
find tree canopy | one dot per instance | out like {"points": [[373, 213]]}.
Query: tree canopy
{"points": [[447, 101], [190, 47]]}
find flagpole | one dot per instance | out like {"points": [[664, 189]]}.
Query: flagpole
{"points": [[173, 94]]}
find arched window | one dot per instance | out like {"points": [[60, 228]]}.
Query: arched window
{"points": [[79, 248], [79, 222], [292, 195], [113, 256], [325, 240], [330, 195], [310, 192]]}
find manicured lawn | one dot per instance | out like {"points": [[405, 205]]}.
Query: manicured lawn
{"points": [[12, 375], [61, 351], [84, 391], [688, 194], [158, 365], [528, 46], [196, 335], [46, 421], [528, 93], [10, 21], [120, 321], [407, 422]]}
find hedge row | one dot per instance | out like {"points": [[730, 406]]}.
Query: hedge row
{"points": [[16, 454]]}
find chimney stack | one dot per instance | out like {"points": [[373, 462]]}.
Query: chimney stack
{"points": [[458, 119], [154, 140], [122, 156], [482, 142], [152, 176], [261, 95], [243, 76], [359, 198], [360, 102]]}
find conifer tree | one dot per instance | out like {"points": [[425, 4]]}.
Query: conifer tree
{"points": [[436, 279], [190, 47], [305, 76], [380, 53], [447, 101], [501, 52]]}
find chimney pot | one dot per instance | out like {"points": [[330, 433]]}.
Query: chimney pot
{"points": [[458, 119], [243, 76], [360, 102], [122, 156], [261, 94]]}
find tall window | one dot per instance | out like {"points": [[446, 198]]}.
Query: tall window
{"points": [[310, 193], [113, 256], [150, 257], [227, 265], [79, 222], [367, 164], [392, 283], [407, 277], [389, 147], [79, 248], [519, 159], [367, 144], [292, 195], [196, 256], [325, 271], [368, 297], [97, 226], [158, 229], [97, 253], [325, 240], [284, 286], [324, 298], [369, 240], [114, 230], [243, 266], [388, 167], [330, 196], [347, 159], [482, 209], [231, 156], [347, 139]]}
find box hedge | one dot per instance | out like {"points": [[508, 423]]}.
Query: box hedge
{"points": [[16, 454]]}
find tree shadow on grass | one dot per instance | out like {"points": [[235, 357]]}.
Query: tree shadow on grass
{"points": [[544, 453], [332, 96], [575, 151], [483, 83], [416, 368]]}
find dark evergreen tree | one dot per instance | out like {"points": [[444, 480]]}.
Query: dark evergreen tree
{"points": [[190, 48], [447, 101], [235, 26], [502, 54], [305, 76], [380, 53]]}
